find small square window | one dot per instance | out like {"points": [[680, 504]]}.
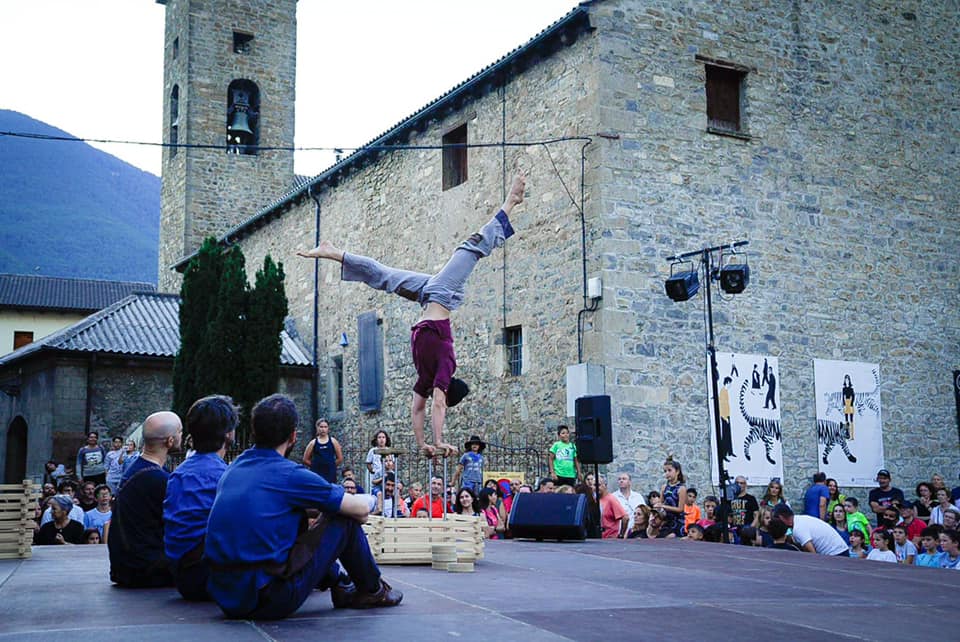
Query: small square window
{"points": [[725, 94], [513, 340], [22, 338], [455, 157], [242, 42]]}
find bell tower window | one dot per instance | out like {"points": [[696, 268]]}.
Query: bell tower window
{"points": [[174, 119], [243, 117]]}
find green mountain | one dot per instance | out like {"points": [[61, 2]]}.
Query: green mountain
{"points": [[67, 209]]}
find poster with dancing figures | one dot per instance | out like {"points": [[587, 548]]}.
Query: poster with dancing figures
{"points": [[849, 430], [749, 396]]}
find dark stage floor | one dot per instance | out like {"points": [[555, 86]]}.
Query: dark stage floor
{"points": [[634, 590]]}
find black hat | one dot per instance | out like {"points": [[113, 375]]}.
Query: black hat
{"points": [[457, 390], [474, 439], [906, 504], [883, 472]]}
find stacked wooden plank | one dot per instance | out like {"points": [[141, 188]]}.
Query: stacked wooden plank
{"points": [[16, 519], [410, 540]]}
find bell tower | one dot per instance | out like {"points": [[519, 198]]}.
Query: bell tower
{"points": [[228, 83]]}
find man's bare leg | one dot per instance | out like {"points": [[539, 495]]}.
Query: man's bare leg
{"points": [[438, 414], [418, 413], [325, 250]]}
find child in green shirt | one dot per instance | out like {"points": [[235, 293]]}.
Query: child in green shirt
{"points": [[563, 458], [856, 519]]}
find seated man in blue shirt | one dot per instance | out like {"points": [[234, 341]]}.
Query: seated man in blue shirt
{"points": [[212, 424], [264, 559], [135, 535]]}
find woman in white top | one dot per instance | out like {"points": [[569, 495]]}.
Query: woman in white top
{"points": [[374, 461]]}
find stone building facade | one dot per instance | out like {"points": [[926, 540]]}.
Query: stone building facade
{"points": [[842, 174], [205, 191]]}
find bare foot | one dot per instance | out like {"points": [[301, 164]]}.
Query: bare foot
{"points": [[326, 250], [448, 449]]}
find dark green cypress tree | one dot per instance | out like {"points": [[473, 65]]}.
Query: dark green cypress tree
{"points": [[221, 368], [197, 305], [265, 317]]}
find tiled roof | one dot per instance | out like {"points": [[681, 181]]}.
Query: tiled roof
{"points": [[143, 324], [566, 30], [27, 292]]}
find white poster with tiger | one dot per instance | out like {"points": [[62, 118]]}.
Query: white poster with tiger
{"points": [[849, 427], [749, 400]]}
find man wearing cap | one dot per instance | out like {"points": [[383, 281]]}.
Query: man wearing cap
{"points": [[885, 494], [440, 294], [812, 535], [470, 469], [913, 526]]}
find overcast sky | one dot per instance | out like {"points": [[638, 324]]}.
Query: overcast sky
{"points": [[94, 68]]}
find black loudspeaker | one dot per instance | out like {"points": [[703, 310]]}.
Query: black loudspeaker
{"points": [[594, 432], [548, 516]]}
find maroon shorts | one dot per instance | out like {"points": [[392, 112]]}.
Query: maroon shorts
{"points": [[433, 356]]}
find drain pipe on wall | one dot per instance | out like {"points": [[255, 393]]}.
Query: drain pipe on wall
{"points": [[314, 380]]}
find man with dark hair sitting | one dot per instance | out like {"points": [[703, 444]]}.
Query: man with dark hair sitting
{"points": [[264, 559], [135, 535], [211, 423]]}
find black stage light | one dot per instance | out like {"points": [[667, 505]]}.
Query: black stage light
{"points": [[734, 277], [682, 285]]}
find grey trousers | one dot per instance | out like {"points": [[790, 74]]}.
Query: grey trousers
{"points": [[446, 287]]}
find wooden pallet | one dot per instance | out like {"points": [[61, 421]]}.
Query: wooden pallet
{"points": [[408, 540], [16, 519]]}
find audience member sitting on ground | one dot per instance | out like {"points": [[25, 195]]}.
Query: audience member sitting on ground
{"points": [[641, 519], [950, 543], [135, 536], [495, 526], [914, 526], [855, 519], [838, 519], [211, 423], [264, 559], [691, 512], [99, 515], [903, 548], [882, 540], [930, 556], [709, 518], [545, 485], [60, 529], [349, 474], [858, 544], [744, 506], [91, 536], [385, 504], [924, 502], [87, 498], [657, 527], [763, 527], [67, 488], [811, 534], [466, 503], [943, 504], [836, 497]]}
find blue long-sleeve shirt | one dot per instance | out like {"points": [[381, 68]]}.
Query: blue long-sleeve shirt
{"points": [[255, 516], [191, 490]]}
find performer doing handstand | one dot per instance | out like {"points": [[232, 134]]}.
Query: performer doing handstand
{"points": [[439, 295]]}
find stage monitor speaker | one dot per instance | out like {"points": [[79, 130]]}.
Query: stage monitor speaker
{"points": [[542, 516], [594, 432]]}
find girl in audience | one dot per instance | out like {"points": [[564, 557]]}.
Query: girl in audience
{"points": [[925, 501], [858, 548], [882, 543], [494, 528], [466, 503], [838, 519], [763, 532], [836, 497], [943, 503], [374, 461], [710, 504], [673, 497], [91, 536], [641, 519], [774, 494]]}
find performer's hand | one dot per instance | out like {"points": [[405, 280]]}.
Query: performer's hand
{"points": [[515, 196]]}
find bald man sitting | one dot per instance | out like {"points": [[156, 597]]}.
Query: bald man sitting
{"points": [[136, 529]]}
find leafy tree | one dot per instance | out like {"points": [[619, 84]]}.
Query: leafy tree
{"points": [[265, 315], [221, 368], [197, 306]]}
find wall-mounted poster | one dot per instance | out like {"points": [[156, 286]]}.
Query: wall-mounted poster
{"points": [[749, 395], [849, 429]]}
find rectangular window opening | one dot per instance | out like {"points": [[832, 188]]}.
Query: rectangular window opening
{"points": [[242, 42], [21, 338], [176, 48], [513, 340], [725, 94], [455, 157]]}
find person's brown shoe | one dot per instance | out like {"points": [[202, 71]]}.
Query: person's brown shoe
{"points": [[343, 593], [386, 596]]}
